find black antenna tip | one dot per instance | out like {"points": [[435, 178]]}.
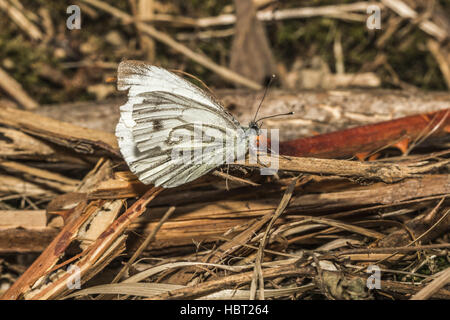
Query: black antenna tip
{"points": [[276, 115]]}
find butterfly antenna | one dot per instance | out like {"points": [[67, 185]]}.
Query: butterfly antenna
{"points": [[276, 115], [264, 96]]}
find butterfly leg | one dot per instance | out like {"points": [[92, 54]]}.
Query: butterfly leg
{"points": [[226, 180]]}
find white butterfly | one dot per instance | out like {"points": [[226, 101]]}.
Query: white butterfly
{"points": [[161, 108]]}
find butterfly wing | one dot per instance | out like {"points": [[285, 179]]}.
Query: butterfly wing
{"points": [[166, 116]]}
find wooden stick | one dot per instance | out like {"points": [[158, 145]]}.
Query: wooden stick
{"points": [[438, 283], [405, 11], [14, 89], [79, 139], [44, 174], [23, 219], [386, 172], [232, 281], [21, 20], [442, 58], [340, 11]]}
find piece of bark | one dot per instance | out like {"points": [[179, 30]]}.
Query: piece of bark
{"points": [[214, 218], [387, 172], [21, 240], [23, 219], [52, 253], [102, 171], [81, 140], [11, 185], [93, 259], [371, 138], [51, 179], [209, 219], [17, 145], [365, 139], [316, 111], [31, 284], [60, 205]]}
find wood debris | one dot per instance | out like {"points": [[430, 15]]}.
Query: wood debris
{"points": [[362, 182]]}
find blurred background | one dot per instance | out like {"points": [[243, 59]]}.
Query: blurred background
{"points": [[59, 51]]}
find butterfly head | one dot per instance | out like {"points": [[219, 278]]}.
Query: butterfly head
{"points": [[253, 133], [253, 125]]}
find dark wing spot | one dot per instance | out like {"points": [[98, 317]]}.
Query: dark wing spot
{"points": [[231, 107], [157, 125]]}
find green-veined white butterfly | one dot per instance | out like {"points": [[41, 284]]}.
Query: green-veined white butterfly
{"points": [[161, 109]]}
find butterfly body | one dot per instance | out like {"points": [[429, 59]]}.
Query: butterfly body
{"points": [[171, 132]]}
